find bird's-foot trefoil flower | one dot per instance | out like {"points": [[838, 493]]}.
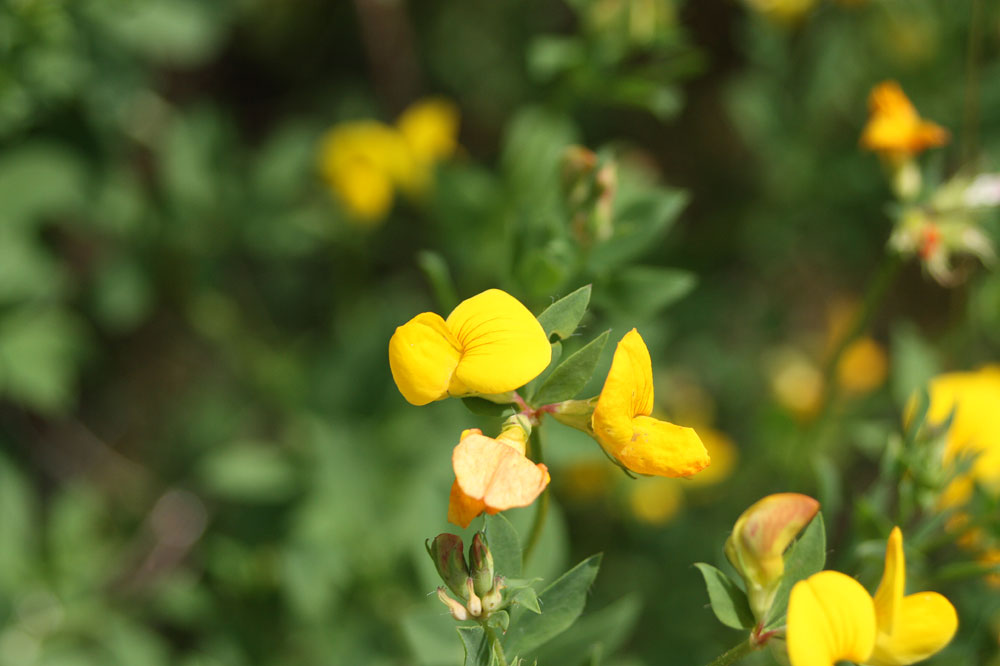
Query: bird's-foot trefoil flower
{"points": [[622, 424], [832, 617], [895, 130], [758, 542], [489, 344], [494, 475]]}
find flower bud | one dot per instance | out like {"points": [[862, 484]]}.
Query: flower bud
{"points": [[474, 603], [456, 609], [481, 561], [759, 539], [449, 559], [493, 598], [577, 414]]}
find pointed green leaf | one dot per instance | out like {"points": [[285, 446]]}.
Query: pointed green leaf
{"points": [[478, 651], [562, 317], [572, 374], [729, 602], [597, 633], [505, 545], [527, 598], [806, 557], [561, 603]]}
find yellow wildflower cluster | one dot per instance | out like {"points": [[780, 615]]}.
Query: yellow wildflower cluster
{"points": [[365, 162], [491, 345], [831, 617]]}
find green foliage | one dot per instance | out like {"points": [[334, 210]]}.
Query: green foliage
{"points": [[728, 601], [562, 318], [570, 376]]}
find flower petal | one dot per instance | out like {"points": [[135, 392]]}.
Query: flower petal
{"points": [[627, 393], [830, 617], [496, 473], [503, 345], [925, 623], [663, 449], [462, 509], [423, 355], [890, 591]]}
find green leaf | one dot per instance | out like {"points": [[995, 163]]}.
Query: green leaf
{"points": [[505, 545], [572, 374], [643, 291], [638, 224], [561, 603], [562, 317], [806, 557], [529, 390], [499, 621], [483, 407], [436, 271], [729, 602], [603, 631], [527, 598], [478, 651]]}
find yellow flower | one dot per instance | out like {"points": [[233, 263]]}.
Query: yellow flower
{"points": [[363, 162], [863, 365], [796, 381], [782, 11], [493, 475], [894, 128], [975, 429], [430, 129], [623, 427], [489, 344], [655, 501], [831, 617]]}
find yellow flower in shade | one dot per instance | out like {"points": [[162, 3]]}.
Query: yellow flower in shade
{"points": [[895, 129], [430, 129], [493, 475], [831, 617], [863, 365], [623, 427], [363, 162], [975, 428], [489, 344], [655, 501]]}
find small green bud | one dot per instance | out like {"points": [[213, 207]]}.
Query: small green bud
{"points": [[446, 550], [481, 561]]}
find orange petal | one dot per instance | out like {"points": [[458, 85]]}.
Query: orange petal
{"points": [[462, 509], [497, 474]]}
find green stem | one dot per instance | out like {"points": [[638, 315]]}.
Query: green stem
{"points": [[874, 296], [542, 507], [735, 654], [495, 642]]}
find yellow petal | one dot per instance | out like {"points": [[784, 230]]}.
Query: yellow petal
{"points": [[830, 617], [496, 473], [925, 623], [502, 345], [663, 449], [627, 393], [423, 356], [890, 591], [462, 509]]}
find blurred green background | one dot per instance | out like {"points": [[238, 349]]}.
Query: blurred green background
{"points": [[203, 458]]}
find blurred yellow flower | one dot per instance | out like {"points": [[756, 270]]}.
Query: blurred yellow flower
{"points": [[796, 381], [493, 475], [623, 427], [430, 129], [587, 480], [975, 429], [655, 501], [364, 162], [782, 11], [489, 344], [894, 128], [831, 617], [863, 366], [722, 452]]}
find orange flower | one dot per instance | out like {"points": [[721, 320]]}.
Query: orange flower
{"points": [[895, 129], [493, 475]]}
